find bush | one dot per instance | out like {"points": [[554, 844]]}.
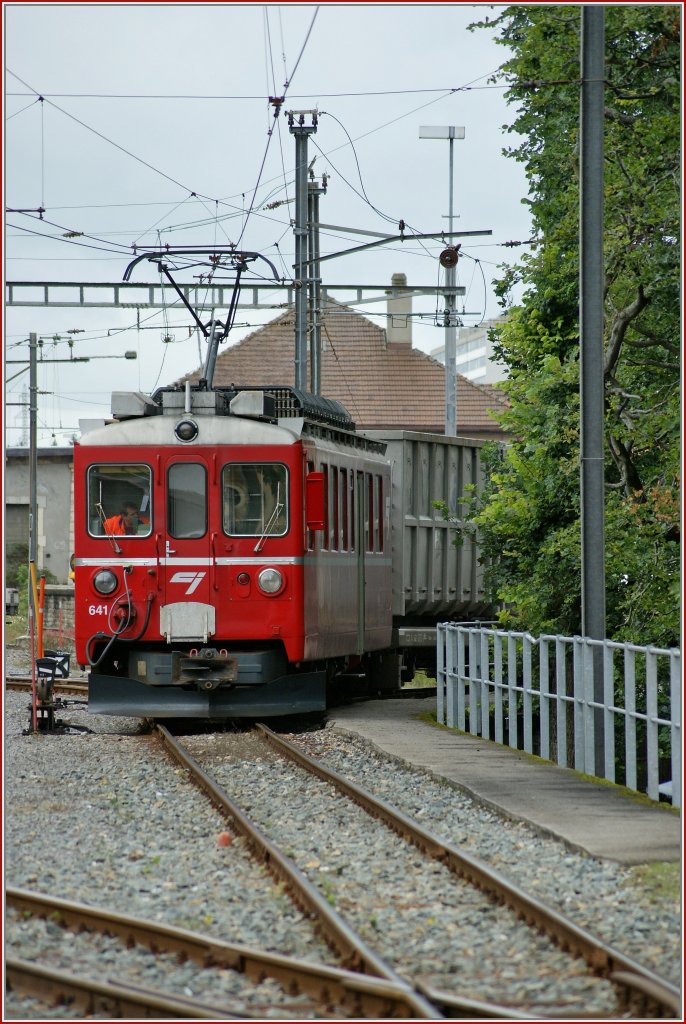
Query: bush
{"points": [[16, 559]]}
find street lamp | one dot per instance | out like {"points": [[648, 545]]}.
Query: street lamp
{"points": [[449, 132]]}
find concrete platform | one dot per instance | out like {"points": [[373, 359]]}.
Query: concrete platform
{"points": [[601, 819]]}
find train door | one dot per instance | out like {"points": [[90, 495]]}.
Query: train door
{"points": [[360, 549], [184, 552]]}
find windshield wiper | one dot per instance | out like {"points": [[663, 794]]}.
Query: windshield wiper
{"points": [[117, 549], [271, 522]]}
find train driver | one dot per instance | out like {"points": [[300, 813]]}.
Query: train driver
{"points": [[126, 522]]}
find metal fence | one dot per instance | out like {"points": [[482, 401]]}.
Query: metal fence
{"points": [[537, 695]]}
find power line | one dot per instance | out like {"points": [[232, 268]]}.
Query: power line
{"points": [[302, 50], [69, 232], [444, 94], [27, 107], [89, 128], [277, 103], [67, 241], [530, 84]]}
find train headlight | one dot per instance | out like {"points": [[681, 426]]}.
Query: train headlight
{"points": [[186, 430], [270, 581], [105, 581]]}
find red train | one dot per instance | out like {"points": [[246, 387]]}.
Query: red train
{"points": [[232, 554]]}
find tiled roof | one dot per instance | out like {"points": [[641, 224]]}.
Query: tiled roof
{"points": [[382, 386]]}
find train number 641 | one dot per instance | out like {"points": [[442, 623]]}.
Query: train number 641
{"points": [[98, 609]]}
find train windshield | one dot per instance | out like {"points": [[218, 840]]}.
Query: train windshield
{"points": [[119, 500], [255, 499], [187, 500]]}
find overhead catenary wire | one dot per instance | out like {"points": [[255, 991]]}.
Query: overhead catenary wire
{"points": [[71, 231], [161, 223], [447, 92], [302, 50], [278, 123], [111, 142], [257, 97], [67, 241], [384, 216], [283, 46], [164, 215], [27, 107], [364, 135], [363, 195], [277, 108]]}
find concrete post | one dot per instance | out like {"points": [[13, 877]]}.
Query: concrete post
{"points": [[592, 389]]}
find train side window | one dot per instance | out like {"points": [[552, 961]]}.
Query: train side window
{"points": [[310, 534], [255, 499], [335, 501], [368, 512], [345, 500], [119, 499], [187, 500], [325, 531], [379, 513], [354, 499]]}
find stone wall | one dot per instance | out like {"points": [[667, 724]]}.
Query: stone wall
{"points": [[58, 610]]}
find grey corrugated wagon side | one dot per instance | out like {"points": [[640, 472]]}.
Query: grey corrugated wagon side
{"points": [[434, 579]]}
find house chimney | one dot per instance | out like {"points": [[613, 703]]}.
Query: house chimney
{"points": [[399, 313]]}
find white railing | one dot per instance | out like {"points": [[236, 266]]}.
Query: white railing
{"points": [[539, 695]]}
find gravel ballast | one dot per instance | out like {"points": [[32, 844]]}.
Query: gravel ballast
{"points": [[412, 911], [105, 818], [601, 896], [101, 817]]}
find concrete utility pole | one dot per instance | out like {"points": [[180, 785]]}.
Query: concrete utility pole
{"points": [[33, 427], [33, 446], [315, 190], [301, 131], [592, 390], [451, 133]]}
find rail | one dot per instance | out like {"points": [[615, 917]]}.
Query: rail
{"points": [[362, 995], [355, 953], [537, 695], [642, 987]]}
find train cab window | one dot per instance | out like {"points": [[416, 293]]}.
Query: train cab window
{"points": [[187, 500], [119, 500], [255, 499]]}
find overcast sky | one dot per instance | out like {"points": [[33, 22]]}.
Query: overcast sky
{"points": [[121, 141]]}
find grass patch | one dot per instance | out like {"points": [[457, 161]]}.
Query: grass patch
{"points": [[16, 626], [419, 681], [658, 881]]}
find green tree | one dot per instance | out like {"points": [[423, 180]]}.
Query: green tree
{"points": [[529, 516]]}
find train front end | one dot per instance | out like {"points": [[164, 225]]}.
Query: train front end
{"points": [[190, 520]]}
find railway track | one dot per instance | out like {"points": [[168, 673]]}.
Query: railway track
{"points": [[637, 990], [23, 684], [98, 999], [354, 952], [331, 990], [640, 982], [372, 982]]}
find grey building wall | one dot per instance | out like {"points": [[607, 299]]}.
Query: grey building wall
{"points": [[55, 494], [474, 354]]}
